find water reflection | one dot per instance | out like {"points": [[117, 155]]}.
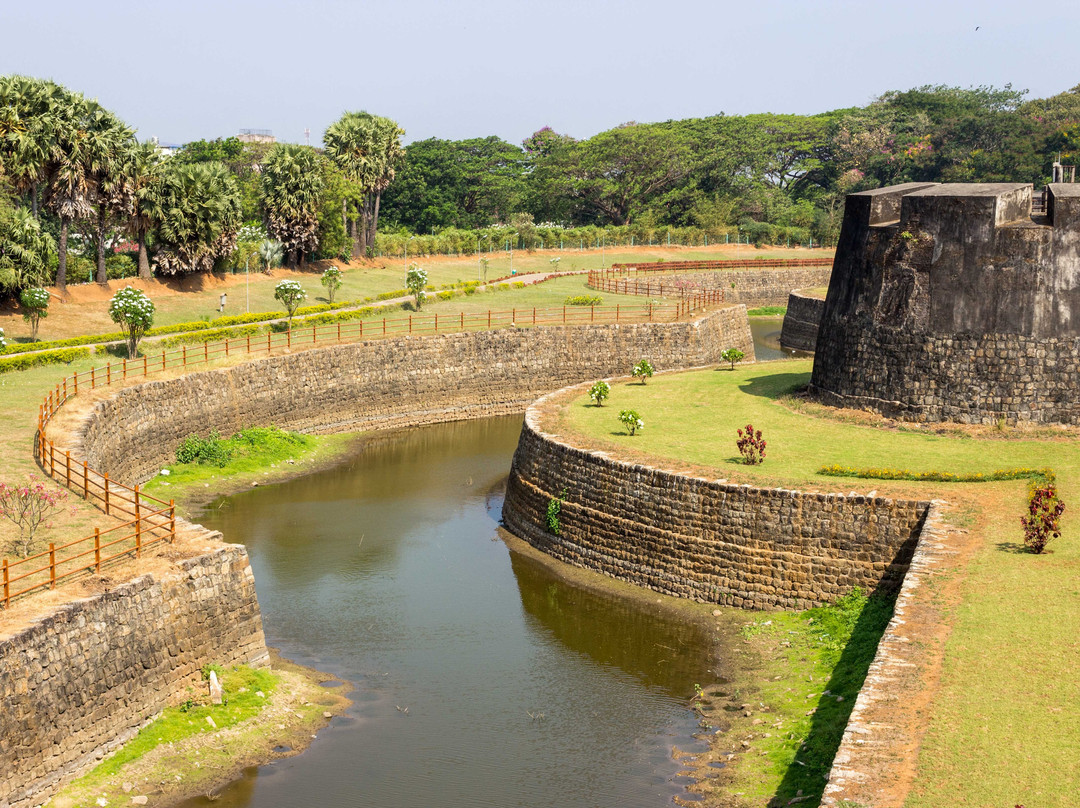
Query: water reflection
{"points": [[766, 334], [522, 689]]}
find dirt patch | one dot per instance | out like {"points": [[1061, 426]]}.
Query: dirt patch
{"points": [[201, 764]]}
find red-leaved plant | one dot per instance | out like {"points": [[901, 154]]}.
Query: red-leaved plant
{"points": [[1041, 523], [28, 506], [751, 446]]}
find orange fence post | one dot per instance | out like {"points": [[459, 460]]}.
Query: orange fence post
{"points": [[226, 346], [106, 494], [436, 322], [138, 525], [97, 549], [125, 370], [172, 521], [183, 349], [489, 319], [52, 566], [76, 377], [339, 330], [85, 481], [108, 373], [93, 378], [145, 368], [248, 347], [7, 585], [206, 352], [410, 323], [67, 469], [268, 342], [52, 459], [288, 338], [534, 315]]}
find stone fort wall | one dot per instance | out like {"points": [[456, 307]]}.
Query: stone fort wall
{"points": [[951, 302], [703, 539], [753, 287], [405, 381], [801, 321], [78, 684]]}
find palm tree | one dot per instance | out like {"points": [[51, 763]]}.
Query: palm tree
{"points": [[271, 252], [114, 184], [292, 185], [24, 251], [27, 131], [142, 167], [197, 208], [367, 149]]}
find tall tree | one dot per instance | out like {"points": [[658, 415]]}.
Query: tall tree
{"points": [[367, 150], [142, 167], [25, 250], [114, 184], [197, 208], [28, 107], [292, 185]]}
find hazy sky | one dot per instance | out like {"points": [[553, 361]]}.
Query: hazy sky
{"points": [[194, 69]]}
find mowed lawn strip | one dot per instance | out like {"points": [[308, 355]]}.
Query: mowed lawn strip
{"points": [[1004, 728]]}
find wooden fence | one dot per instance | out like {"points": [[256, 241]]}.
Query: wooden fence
{"points": [[717, 265], [152, 520], [606, 282]]}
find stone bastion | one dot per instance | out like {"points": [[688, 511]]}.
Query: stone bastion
{"points": [[952, 302]]}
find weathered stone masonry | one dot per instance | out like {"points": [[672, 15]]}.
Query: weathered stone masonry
{"points": [[81, 682], [800, 329], [706, 540], [951, 302], [386, 383], [753, 287]]}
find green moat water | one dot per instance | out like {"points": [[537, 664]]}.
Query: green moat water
{"points": [[521, 689]]}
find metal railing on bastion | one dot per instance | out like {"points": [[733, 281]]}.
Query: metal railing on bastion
{"points": [[152, 520]]}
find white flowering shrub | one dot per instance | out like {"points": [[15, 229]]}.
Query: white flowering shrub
{"points": [[291, 294], [331, 280], [3, 342], [598, 392], [134, 313], [415, 282], [631, 420], [35, 306], [643, 370]]}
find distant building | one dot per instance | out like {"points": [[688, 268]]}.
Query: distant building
{"points": [[256, 136], [166, 149]]}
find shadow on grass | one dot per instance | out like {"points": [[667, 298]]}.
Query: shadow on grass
{"points": [[1012, 547], [775, 384], [808, 774]]}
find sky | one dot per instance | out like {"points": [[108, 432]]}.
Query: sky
{"points": [[194, 69]]}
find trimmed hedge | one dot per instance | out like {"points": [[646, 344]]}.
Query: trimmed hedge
{"points": [[27, 361], [836, 470]]}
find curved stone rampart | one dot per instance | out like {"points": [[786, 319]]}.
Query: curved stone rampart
{"points": [[951, 302], [81, 682], [707, 540], [406, 381], [800, 329], [752, 287]]}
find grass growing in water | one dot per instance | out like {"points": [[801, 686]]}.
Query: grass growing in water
{"points": [[815, 662]]}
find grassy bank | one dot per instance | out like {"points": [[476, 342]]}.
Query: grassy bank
{"points": [[1003, 728], [195, 747]]}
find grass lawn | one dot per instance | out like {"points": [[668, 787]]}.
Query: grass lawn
{"points": [[1004, 728], [196, 297]]}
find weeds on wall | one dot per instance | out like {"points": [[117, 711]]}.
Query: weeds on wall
{"points": [[554, 508]]}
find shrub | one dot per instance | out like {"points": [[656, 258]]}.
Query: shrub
{"points": [[331, 280], [836, 470], [584, 300], [554, 508], [445, 295], [1041, 523], [118, 267], [732, 355], [28, 506], [643, 370], [291, 294], [416, 282], [518, 284], [631, 420], [134, 313], [33, 360], [210, 451], [751, 445], [35, 303], [3, 342], [598, 392]]}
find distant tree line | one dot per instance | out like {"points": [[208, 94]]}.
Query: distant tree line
{"points": [[81, 197]]}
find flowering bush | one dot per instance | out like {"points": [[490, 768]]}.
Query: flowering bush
{"points": [[415, 282], [1041, 523], [331, 279], [291, 294], [732, 355], [598, 392], [28, 506], [631, 420], [643, 370], [35, 304], [751, 446], [134, 313], [3, 342]]}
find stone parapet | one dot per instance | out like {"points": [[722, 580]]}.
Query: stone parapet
{"points": [[801, 320]]}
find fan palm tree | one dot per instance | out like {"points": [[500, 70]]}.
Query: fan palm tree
{"points": [[271, 253], [367, 150], [292, 185], [197, 208], [24, 251], [114, 190], [142, 167], [27, 131]]}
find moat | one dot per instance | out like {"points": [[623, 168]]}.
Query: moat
{"points": [[482, 677]]}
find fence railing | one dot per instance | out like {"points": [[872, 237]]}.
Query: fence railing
{"points": [[606, 282], [659, 267], [152, 520]]}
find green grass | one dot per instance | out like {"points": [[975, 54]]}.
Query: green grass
{"points": [[1004, 728], [815, 665], [246, 453], [768, 311], [240, 684]]}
